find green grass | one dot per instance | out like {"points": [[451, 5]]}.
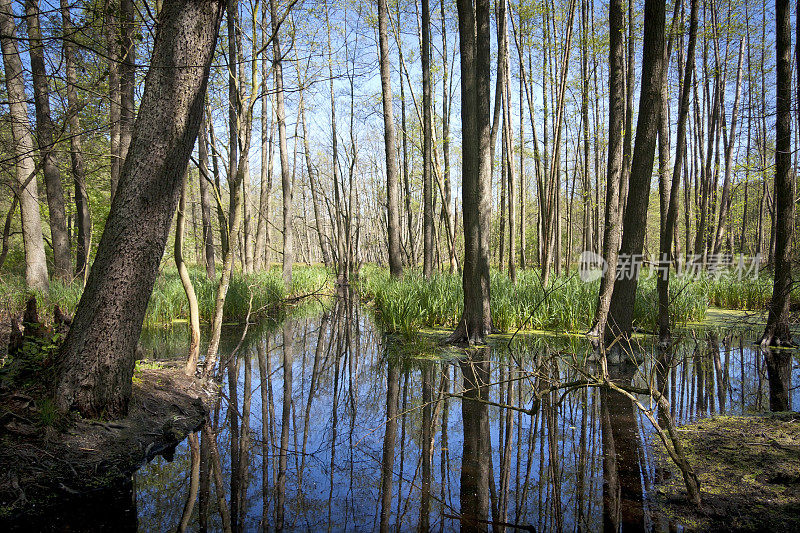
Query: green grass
{"points": [[168, 301], [410, 303]]}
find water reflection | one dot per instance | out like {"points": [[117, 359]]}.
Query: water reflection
{"points": [[622, 455], [335, 430]]}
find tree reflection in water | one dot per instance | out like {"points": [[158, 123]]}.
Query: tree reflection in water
{"points": [[337, 431]]}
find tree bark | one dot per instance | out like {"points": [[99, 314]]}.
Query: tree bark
{"points": [[83, 215], [614, 169], [205, 201], [668, 227], [96, 361], [447, 201], [267, 136], [286, 178], [475, 44], [127, 76], [725, 200], [635, 218], [390, 148], [25, 188], [62, 264], [114, 89], [777, 332], [427, 145], [186, 281]]}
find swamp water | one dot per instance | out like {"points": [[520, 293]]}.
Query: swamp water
{"points": [[300, 438]]}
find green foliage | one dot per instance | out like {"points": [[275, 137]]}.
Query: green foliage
{"points": [[750, 292], [48, 413], [410, 303], [168, 300], [32, 364]]}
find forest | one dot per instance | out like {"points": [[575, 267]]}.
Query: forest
{"points": [[545, 247]]}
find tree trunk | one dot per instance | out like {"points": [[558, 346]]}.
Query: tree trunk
{"points": [[127, 75], [475, 45], [724, 206], [412, 249], [25, 188], [114, 94], [635, 218], [44, 134], [392, 207], [186, 281], [82, 214], [614, 170], [777, 332], [286, 178], [427, 145], [96, 361], [267, 136], [447, 201], [668, 227], [205, 201], [7, 230]]}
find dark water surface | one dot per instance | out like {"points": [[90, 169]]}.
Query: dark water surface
{"points": [[300, 439]]}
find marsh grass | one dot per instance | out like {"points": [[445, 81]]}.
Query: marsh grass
{"points": [[168, 301], [568, 305]]}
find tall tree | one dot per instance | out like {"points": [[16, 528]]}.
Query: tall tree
{"points": [[205, 200], [96, 361], [777, 332], [286, 178], [392, 207], [669, 224], [114, 95], [474, 47], [44, 136], [427, 144], [25, 188], [635, 219], [186, 281], [614, 170], [127, 75], [82, 215]]}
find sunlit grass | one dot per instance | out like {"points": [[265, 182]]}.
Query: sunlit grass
{"points": [[168, 300], [568, 304]]}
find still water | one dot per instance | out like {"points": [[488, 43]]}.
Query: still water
{"points": [[325, 424]]}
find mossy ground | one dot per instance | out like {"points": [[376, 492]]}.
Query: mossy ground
{"points": [[749, 472]]}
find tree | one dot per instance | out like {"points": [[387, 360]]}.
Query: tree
{"points": [[82, 213], [635, 220], [96, 361], [427, 144], [44, 136], [777, 332], [186, 281], [614, 170], [286, 178], [668, 226], [392, 207], [127, 75], [474, 47], [205, 200], [25, 188]]}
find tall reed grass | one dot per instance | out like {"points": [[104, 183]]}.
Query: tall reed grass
{"points": [[569, 304], [168, 301]]}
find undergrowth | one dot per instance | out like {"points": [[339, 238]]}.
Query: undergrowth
{"points": [[168, 300], [411, 302]]}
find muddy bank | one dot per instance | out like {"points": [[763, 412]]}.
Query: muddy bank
{"points": [[749, 471], [47, 461]]}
